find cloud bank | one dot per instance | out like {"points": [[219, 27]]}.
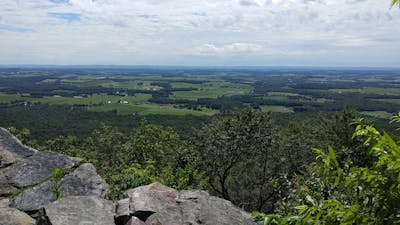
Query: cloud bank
{"points": [[200, 32]]}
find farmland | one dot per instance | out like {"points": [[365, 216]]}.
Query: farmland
{"points": [[171, 95]]}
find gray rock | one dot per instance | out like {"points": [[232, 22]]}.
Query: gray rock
{"points": [[34, 198], [80, 210], [11, 146], [223, 212], [135, 221], [6, 189], [122, 212], [36, 168], [84, 181], [4, 203], [155, 198], [11, 216], [6, 158], [156, 204]]}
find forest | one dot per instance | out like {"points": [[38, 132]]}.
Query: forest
{"points": [[292, 145]]}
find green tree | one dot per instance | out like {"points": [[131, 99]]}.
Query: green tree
{"points": [[332, 193], [155, 153], [237, 154], [152, 143], [105, 148]]}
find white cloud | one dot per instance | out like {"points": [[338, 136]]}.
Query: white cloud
{"points": [[168, 31], [234, 48]]}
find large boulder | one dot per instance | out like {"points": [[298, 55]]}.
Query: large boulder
{"points": [[156, 204], [80, 210], [155, 198], [84, 181], [11, 149], [11, 216], [36, 168]]}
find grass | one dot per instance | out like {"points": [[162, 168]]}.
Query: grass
{"points": [[90, 100], [378, 114], [147, 109], [370, 90], [7, 98], [285, 97], [102, 102], [134, 84], [282, 94], [395, 101], [279, 109], [210, 90]]}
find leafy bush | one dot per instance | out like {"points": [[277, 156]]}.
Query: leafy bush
{"points": [[334, 194], [138, 175]]}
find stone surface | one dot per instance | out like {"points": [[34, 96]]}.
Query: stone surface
{"points": [[4, 203], [11, 146], [34, 198], [135, 221], [6, 158], [149, 199], [122, 212], [156, 204], [36, 168], [11, 216], [84, 181], [6, 189], [80, 210]]}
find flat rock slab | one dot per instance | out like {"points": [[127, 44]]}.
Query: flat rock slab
{"points": [[81, 210], [11, 216], [155, 198], [36, 168], [84, 181], [13, 147]]}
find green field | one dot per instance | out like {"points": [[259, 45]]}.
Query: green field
{"points": [[378, 114], [146, 109], [370, 90], [279, 109], [389, 100], [210, 90], [77, 100]]}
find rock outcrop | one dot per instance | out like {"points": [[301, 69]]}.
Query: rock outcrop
{"points": [[25, 174], [25, 178], [156, 204], [84, 181], [12, 216], [76, 210]]}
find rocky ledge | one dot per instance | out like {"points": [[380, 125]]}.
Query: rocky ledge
{"points": [[27, 196]]}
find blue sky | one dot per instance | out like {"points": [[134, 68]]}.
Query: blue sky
{"points": [[200, 32]]}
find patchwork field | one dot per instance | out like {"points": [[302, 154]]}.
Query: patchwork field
{"points": [[203, 92]]}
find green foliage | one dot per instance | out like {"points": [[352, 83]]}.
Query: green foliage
{"points": [[56, 181], [247, 158], [134, 176], [394, 2], [137, 175], [24, 135], [346, 194]]}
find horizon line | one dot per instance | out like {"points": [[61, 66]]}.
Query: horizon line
{"points": [[194, 66]]}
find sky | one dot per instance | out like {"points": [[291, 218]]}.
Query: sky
{"points": [[200, 32]]}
